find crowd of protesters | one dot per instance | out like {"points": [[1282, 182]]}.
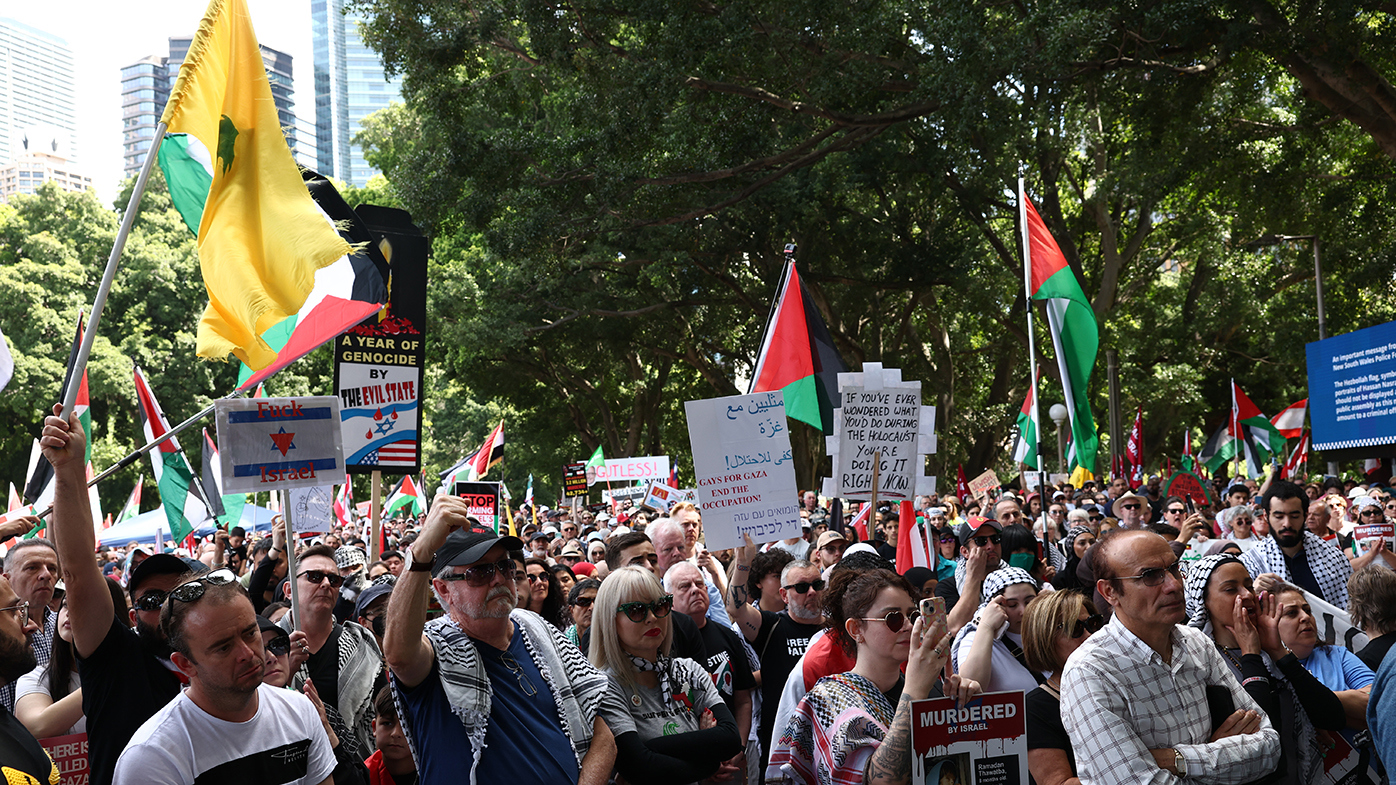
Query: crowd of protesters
{"points": [[1157, 639]]}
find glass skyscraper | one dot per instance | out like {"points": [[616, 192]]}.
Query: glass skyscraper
{"points": [[349, 86], [37, 91]]}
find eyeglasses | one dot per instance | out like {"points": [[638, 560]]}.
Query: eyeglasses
{"points": [[513, 665], [983, 542], [1129, 506], [23, 608], [584, 602], [1175, 510], [482, 574], [1154, 576], [639, 611], [1097, 517], [805, 586], [278, 646], [896, 619], [193, 590], [1091, 623], [315, 576]]}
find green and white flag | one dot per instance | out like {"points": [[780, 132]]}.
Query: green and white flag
{"points": [[1025, 446]]}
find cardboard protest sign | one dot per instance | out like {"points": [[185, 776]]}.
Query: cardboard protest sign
{"points": [[69, 754], [661, 497], [981, 485], [574, 479], [984, 741], [380, 363], [650, 467], [881, 422], [312, 509], [483, 500], [278, 443], [746, 475]]}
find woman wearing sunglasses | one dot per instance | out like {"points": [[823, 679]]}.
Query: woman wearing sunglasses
{"points": [[1220, 601], [1054, 626], [856, 726], [678, 730], [579, 603], [989, 648]]}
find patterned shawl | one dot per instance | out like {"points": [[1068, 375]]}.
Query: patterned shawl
{"points": [[1330, 567], [359, 663], [836, 720], [1195, 587]]}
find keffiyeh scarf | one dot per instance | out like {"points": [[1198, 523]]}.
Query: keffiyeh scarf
{"points": [[1330, 567], [962, 563], [998, 581], [840, 717], [1195, 586], [359, 663]]}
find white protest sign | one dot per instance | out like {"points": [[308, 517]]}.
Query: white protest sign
{"points": [[312, 509], [652, 467], [277, 443], [746, 475], [661, 497], [881, 418]]}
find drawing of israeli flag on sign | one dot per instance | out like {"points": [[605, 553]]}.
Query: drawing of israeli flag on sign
{"points": [[268, 443]]}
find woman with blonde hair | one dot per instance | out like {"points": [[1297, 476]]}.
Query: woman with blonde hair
{"points": [[678, 730], [1054, 625]]}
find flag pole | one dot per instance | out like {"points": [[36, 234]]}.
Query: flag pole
{"points": [[100, 301], [1236, 430], [1032, 340], [375, 500]]}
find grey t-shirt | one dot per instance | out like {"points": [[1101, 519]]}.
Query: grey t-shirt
{"points": [[656, 715]]}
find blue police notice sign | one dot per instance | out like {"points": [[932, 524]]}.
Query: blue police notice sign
{"points": [[278, 443], [1352, 388]]}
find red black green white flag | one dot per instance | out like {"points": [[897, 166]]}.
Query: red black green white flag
{"points": [[798, 357]]}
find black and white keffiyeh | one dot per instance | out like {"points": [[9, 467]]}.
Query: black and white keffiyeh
{"points": [[1195, 586], [960, 566], [1330, 567], [998, 581]]}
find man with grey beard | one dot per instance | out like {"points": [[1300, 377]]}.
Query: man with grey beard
{"points": [[780, 639], [488, 689]]}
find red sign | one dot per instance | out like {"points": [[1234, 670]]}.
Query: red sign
{"points": [[69, 754], [1185, 485], [995, 715], [483, 499]]}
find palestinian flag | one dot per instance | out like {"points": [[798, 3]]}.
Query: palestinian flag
{"points": [[798, 357], [490, 453], [1248, 415], [1224, 446], [133, 502], [15, 502], [405, 495], [180, 495], [1025, 445], [344, 502], [1075, 334], [38, 491], [227, 508], [1297, 459], [346, 292], [1290, 421], [1188, 460]]}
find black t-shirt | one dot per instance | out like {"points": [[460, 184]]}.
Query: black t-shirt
{"points": [[725, 659], [323, 667], [20, 754], [1302, 575], [779, 644], [122, 687], [947, 590], [1375, 651], [1045, 730]]}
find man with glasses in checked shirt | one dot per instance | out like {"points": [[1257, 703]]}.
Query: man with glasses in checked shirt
{"points": [[1135, 696], [489, 691]]}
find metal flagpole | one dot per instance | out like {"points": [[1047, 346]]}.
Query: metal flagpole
{"points": [[100, 301], [291, 538], [1032, 344]]}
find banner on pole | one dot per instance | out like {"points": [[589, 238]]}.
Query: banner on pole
{"points": [[312, 509], [746, 475], [880, 419], [269, 443], [483, 500], [650, 467]]}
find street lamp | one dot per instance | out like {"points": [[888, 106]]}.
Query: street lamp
{"points": [[1058, 414]]}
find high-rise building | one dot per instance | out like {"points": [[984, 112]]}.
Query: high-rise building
{"points": [[37, 88], [41, 156], [350, 84], [145, 89]]}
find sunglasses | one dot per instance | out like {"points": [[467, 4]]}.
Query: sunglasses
{"points": [[482, 574], [639, 611], [279, 646], [193, 590], [313, 577], [1097, 517], [1371, 511], [1091, 623], [895, 620], [1175, 511], [805, 586], [584, 602], [1129, 506], [944, 540], [984, 541], [1155, 576]]}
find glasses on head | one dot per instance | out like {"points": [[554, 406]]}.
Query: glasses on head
{"points": [[23, 608], [805, 586], [1155, 576], [482, 574], [193, 590], [279, 646], [1091, 623], [983, 542], [584, 602], [895, 620], [639, 611], [313, 577]]}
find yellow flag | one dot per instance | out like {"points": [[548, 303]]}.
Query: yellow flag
{"points": [[231, 175]]}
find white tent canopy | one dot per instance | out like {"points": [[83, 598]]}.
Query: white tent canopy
{"points": [[142, 527]]}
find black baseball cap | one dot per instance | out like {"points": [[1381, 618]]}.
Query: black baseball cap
{"points": [[469, 546], [152, 566], [367, 596]]}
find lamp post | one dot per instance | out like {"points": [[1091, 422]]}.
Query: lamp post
{"points": [[1058, 414]]}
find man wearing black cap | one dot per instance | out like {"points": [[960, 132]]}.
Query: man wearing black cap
{"points": [[127, 675], [489, 689]]}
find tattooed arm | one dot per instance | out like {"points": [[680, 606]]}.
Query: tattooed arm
{"points": [[739, 607], [890, 764]]}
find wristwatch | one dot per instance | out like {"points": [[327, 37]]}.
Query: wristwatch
{"points": [[415, 566], [1180, 763]]}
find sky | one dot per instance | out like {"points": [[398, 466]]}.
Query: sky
{"points": [[105, 36]]}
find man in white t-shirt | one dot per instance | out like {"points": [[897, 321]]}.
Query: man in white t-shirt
{"points": [[227, 726]]}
